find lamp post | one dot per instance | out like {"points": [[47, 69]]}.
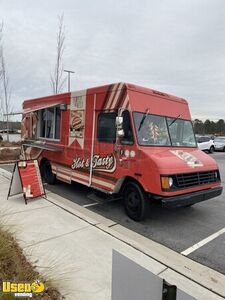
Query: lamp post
{"points": [[69, 72]]}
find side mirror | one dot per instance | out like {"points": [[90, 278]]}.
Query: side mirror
{"points": [[119, 126], [119, 121], [120, 133]]}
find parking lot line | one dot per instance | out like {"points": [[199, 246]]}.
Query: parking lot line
{"points": [[90, 204], [203, 242]]}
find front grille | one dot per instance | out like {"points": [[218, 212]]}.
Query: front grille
{"points": [[198, 178]]}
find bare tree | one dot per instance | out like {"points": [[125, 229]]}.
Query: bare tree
{"points": [[5, 107], [57, 81], [1, 100], [1, 30]]}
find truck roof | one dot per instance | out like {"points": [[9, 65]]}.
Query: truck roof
{"points": [[138, 88], [102, 89]]}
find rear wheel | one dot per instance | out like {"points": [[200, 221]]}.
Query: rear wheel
{"points": [[134, 201], [46, 172]]}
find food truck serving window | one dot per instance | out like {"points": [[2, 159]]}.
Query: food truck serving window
{"points": [[50, 123], [107, 127]]}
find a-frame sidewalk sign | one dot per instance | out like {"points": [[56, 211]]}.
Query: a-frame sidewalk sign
{"points": [[26, 180]]}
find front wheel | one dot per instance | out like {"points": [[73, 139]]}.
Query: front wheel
{"points": [[134, 201]]}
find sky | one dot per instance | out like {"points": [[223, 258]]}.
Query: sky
{"points": [[175, 46]]}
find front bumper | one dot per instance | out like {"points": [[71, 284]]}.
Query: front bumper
{"points": [[219, 148], [191, 198]]}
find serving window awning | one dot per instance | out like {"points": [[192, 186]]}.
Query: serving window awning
{"points": [[54, 148], [32, 109], [40, 106]]}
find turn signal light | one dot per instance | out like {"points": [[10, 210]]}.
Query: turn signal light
{"points": [[166, 182]]}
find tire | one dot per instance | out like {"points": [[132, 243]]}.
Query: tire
{"points": [[189, 205], [212, 149], [134, 201], [46, 172], [224, 149]]}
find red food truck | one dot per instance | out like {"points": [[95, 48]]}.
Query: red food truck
{"points": [[121, 139]]}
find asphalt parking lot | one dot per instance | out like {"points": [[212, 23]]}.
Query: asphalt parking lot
{"points": [[179, 229]]}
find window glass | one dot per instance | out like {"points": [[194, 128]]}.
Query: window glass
{"points": [[34, 117], [151, 129], [57, 122], [162, 131], [200, 139], [181, 132], [107, 127], [43, 122], [128, 133], [219, 140], [50, 123]]}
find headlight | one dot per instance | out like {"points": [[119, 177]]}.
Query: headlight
{"points": [[170, 181]]}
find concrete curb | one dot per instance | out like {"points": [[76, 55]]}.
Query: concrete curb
{"points": [[7, 162], [5, 173]]}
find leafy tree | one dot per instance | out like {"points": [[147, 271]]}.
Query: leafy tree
{"points": [[198, 126], [207, 127], [220, 127]]}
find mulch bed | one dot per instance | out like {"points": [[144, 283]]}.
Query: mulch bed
{"points": [[15, 267]]}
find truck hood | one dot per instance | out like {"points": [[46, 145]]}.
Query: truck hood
{"points": [[172, 160]]}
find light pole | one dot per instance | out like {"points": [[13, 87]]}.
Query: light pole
{"points": [[69, 72]]}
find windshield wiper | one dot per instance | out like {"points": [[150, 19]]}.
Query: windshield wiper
{"points": [[143, 119], [174, 120]]}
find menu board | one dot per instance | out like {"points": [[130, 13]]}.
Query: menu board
{"points": [[77, 117], [26, 179]]}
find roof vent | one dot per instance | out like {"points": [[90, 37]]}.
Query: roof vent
{"points": [[159, 93], [132, 86]]}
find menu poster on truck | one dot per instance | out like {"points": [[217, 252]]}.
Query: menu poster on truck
{"points": [[77, 119], [26, 179]]}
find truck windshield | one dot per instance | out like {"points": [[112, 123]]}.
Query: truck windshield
{"points": [[181, 133], [163, 131]]}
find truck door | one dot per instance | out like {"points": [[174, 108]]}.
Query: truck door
{"points": [[126, 152], [106, 136], [103, 158], [112, 156]]}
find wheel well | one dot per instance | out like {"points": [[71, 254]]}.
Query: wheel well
{"points": [[41, 164], [43, 160], [129, 179]]}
